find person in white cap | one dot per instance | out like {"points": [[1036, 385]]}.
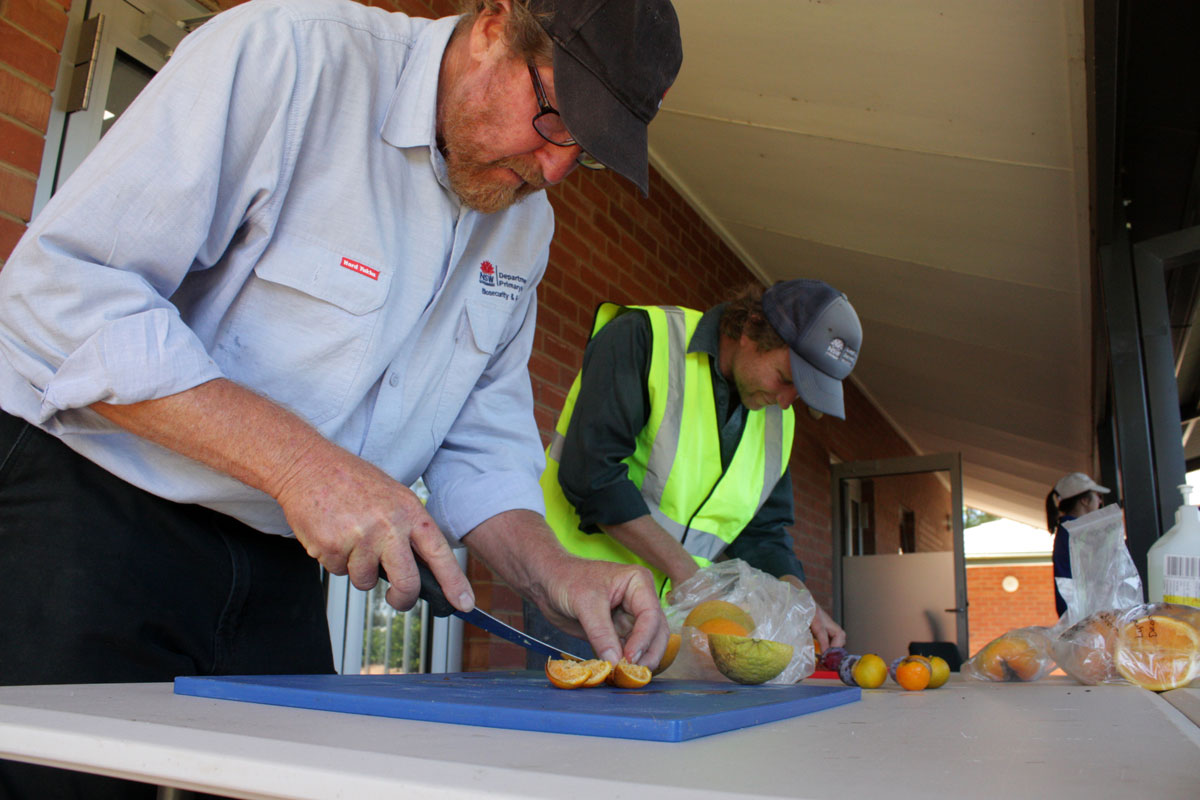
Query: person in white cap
{"points": [[1074, 495], [297, 274], [672, 448]]}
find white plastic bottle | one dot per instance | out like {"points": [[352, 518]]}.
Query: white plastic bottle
{"points": [[1173, 563]]}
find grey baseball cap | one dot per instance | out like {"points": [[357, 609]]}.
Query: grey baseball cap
{"points": [[613, 62], [824, 334]]}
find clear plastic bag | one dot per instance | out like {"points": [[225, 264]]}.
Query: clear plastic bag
{"points": [[1085, 650], [1157, 646], [781, 612], [1022, 654], [1104, 576]]}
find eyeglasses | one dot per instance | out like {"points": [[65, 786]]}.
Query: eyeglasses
{"points": [[549, 125]]}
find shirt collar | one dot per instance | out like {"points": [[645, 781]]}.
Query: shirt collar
{"points": [[707, 336], [411, 119]]}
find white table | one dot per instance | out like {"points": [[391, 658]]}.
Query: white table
{"points": [[1051, 739]]}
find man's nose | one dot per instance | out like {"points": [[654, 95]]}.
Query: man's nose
{"points": [[558, 162]]}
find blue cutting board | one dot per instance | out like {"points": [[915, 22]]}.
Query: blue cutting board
{"points": [[663, 710]]}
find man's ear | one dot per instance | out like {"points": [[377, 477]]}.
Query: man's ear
{"points": [[487, 33]]}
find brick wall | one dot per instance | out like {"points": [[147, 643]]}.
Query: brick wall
{"points": [[993, 611], [611, 244]]}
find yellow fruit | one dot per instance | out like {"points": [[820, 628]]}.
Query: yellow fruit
{"points": [[939, 672], [722, 625], [713, 609], [746, 660], [669, 655], [598, 671], [913, 673], [566, 674], [870, 671], [629, 676], [1158, 652]]}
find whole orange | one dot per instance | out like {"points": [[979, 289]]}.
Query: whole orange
{"points": [[913, 674]]}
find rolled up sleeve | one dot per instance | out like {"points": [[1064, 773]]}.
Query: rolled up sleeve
{"points": [[85, 308]]}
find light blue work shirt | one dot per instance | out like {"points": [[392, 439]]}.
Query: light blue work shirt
{"points": [[273, 209]]}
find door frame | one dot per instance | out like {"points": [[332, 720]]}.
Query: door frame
{"points": [[878, 468]]}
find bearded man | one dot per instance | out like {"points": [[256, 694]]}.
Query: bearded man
{"points": [[297, 275]]}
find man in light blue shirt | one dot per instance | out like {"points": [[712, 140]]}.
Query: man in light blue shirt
{"points": [[297, 275]]}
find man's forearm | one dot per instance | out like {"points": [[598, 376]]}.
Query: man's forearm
{"points": [[647, 539], [230, 429]]}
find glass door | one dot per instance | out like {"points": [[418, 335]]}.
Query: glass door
{"points": [[899, 573]]}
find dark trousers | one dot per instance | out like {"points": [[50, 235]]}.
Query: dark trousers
{"points": [[102, 582]]}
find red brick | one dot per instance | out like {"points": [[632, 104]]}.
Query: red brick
{"points": [[24, 101], [11, 231], [20, 147], [16, 194], [34, 58], [45, 21]]}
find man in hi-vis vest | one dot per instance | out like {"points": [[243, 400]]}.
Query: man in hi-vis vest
{"points": [[672, 448]]}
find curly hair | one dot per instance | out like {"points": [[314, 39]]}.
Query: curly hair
{"points": [[524, 33], [744, 315]]}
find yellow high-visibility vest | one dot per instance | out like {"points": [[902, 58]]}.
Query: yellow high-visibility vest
{"points": [[677, 460]]}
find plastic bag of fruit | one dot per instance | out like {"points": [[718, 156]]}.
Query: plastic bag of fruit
{"points": [[1157, 645], [1085, 650], [752, 610], [1022, 654]]}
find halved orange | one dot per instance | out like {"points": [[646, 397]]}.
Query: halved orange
{"points": [[721, 625], [669, 655], [566, 674], [1158, 652], [711, 609], [598, 671], [629, 676]]}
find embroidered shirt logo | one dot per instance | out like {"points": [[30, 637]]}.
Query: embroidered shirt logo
{"points": [[487, 274], [361, 269], [504, 286]]}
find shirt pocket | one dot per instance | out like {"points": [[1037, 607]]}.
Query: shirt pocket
{"points": [[303, 325], [476, 339]]}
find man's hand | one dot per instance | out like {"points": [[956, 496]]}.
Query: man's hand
{"points": [[827, 632], [613, 605], [348, 514]]}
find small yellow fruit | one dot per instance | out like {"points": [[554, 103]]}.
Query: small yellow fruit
{"points": [[939, 672], [746, 660], [870, 671]]}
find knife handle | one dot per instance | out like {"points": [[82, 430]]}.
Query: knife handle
{"points": [[431, 591]]}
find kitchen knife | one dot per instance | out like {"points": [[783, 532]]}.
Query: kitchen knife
{"points": [[439, 606]]}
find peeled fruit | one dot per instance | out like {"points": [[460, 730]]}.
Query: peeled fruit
{"points": [[869, 671], [1158, 652], [669, 654], [913, 673], [743, 659], [831, 659], [719, 609], [846, 670], [939, 672], [629, 676]]}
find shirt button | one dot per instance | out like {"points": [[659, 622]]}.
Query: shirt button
{"points": [[394, 380]]}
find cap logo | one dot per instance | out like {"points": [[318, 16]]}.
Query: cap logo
{"points": [[837, 350]]}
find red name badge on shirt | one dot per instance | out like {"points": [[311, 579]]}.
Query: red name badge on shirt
{"points": [[361, 269]]}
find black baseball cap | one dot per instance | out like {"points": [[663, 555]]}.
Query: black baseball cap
{"points": [[824, 334], [613, 62]]}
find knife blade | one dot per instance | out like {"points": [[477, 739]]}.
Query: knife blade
{"points": [[439, 606]]}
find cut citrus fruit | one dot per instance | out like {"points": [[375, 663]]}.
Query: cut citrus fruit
{"points": [[669, 655], [566, 674], [1158, 652], [719, 609], [720, 625], [598, 670], [746, 660], [629, 676]]}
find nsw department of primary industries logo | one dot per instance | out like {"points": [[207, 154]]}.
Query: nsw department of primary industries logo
{"points": [[487, 274]]}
